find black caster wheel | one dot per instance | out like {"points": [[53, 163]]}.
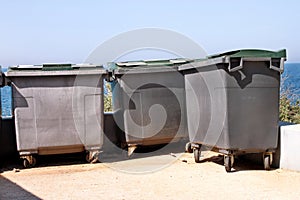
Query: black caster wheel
{"points": [[26, 163], [228, 162], [197, 154], [267, 162], [188, 147], [29, 162], [92, 157]]}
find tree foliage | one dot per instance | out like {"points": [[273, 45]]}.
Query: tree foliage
{"points": [[108, 98], [289, 103]]}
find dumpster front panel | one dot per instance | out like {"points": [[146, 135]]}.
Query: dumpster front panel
{"points": [[153, 107], [253, 107], [251, 121], [247, 101], [54, 115]]}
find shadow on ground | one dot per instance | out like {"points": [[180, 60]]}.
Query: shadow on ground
{"points": [[10, 190], [114, 154], [14, 163], [109, 155], [241, 163]]}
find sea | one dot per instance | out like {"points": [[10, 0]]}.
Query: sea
{"points": [[291, 77]]}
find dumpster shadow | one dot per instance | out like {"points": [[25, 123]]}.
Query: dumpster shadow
{"points": [[45, 161], [116, 154], [216, 159], [61, 160], [240, 163], [10, 190], [9, 162], [108, 155]]}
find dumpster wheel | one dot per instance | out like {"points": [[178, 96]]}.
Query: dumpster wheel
{"points": [[188, 147], [29, 161], [267, 161], [92, 156], [228, 162], [197, 154]]}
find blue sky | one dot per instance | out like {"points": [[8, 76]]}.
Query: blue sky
{"points": [[34, 32]]}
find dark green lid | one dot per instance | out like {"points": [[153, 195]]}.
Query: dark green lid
{"points": [[251, 53], [234, 59], [147, 64], [54, 67]]}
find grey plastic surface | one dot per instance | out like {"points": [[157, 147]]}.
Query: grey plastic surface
{"points": [[55, 113], [235, 110], [149, 105]]}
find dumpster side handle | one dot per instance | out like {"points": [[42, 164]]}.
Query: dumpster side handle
{"points": [[270, 60], [232, 68], [280, 68]]}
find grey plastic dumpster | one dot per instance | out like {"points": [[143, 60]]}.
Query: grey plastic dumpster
{"points": [[148, 102], [233, 103], [58, 108]]}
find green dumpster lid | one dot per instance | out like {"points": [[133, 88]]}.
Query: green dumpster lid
{"points": [[26, 67], [147, 65], [54, 69], [160, 63], [56, 66], [250, 53], [242, 55]]}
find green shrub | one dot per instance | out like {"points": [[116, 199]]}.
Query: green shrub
{"points": [[289, 108]]}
